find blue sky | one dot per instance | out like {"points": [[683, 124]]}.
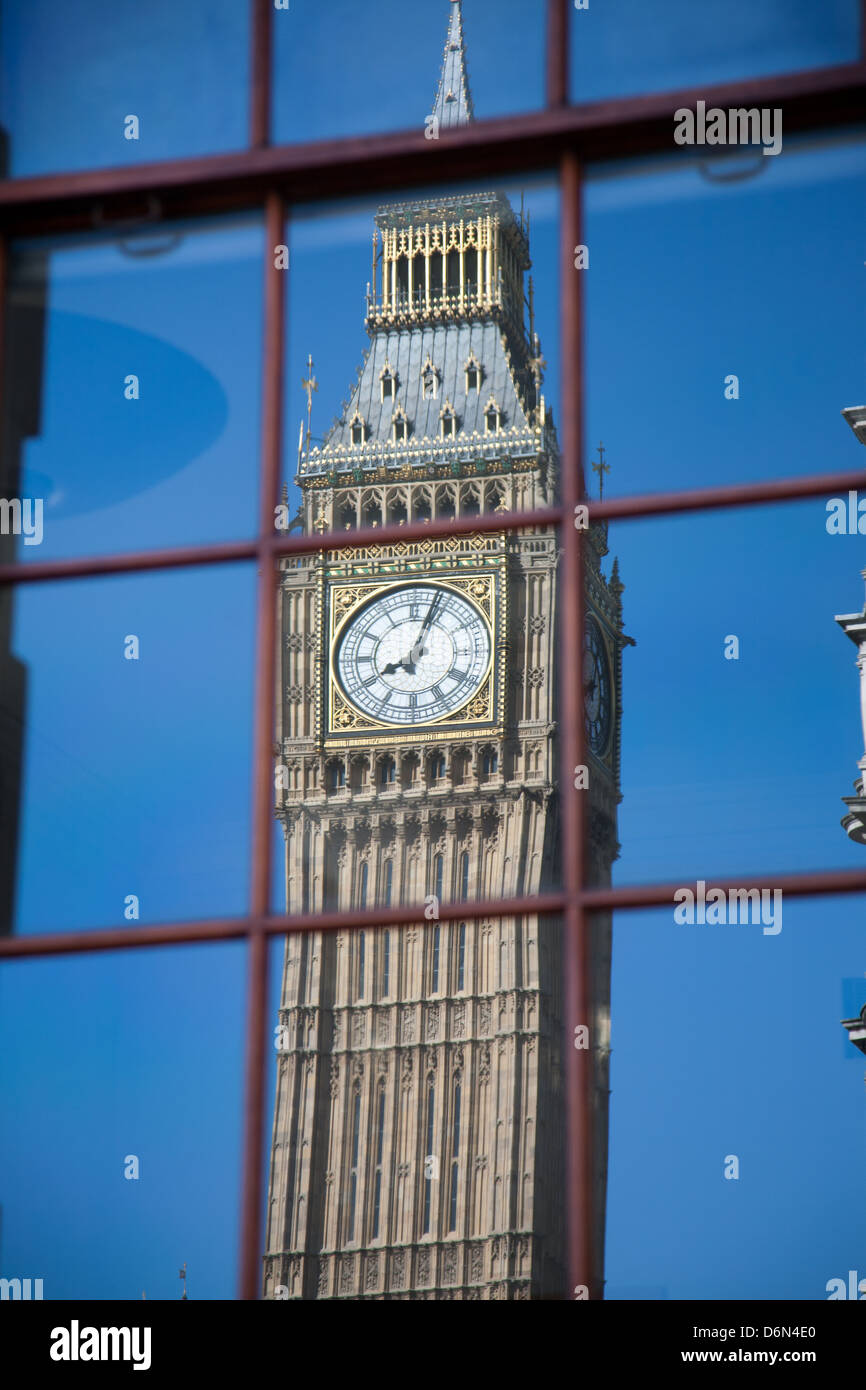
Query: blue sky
{"points": [[725, 1041]]}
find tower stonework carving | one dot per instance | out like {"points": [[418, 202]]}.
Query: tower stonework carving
{"points": [[418, 1122]]}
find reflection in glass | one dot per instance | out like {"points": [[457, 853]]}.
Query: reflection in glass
{"points": [[100, 84], [627, 48], [700, 1078], [136, 744], [742, 728], [323, 59], [729, 375], [121, 1136], [133, 382]]}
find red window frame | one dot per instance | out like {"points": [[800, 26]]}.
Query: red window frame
{"points": [[273, 178]]}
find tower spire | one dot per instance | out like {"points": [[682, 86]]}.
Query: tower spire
{"points": [[453, 104]]}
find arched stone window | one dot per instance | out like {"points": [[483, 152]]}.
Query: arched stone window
{"points": [[446, 503], [472, 368], [388, 382], [359, 771], [470, 501], [358, 428], [429, 380], [336, 775], [421, 507], [387, 883], [386, 962], [459, 767], [362, 956], [454, 1176], [355, 1132], [380, 1150], [429, 1156], [371, 511], [464, 875], [489, 762], [399, 426], [363, 880], [438, 872], [397, 508]]}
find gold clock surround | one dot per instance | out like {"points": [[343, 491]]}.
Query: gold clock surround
{"points": [[339, 720]]}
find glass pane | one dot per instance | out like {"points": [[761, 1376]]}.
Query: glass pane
{"points": [[734, 1092], [133, 377], [74, 77], [741, 727], [127, 716], [627, 48], [417, 692], [418, 1123], [349, 69], [121, 1136], [715, 354]]}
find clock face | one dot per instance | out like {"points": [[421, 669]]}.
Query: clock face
{"points": [[413, 654], [596, 687]]}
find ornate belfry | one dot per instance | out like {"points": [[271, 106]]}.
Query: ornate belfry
{"points": [[418, 1122]]}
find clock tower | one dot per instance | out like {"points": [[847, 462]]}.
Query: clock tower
{"points": [[418, 1124]]}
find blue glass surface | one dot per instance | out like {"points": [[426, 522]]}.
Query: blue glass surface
{"points": [[72, 74], [134, 368], [724, 318], [136, 771], [737, 763], [727, 1043], [121, 1135], [628, 48]]}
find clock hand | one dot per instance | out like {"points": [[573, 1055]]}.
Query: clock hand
{"points": [[408, 661], [417, 649], [405, 661]]}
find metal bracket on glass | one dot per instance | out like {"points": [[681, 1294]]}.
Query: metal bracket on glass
{"points": [[124, 225], [716, 168]]}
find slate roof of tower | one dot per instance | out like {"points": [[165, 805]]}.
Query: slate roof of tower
{"points": [[448, 345], [453, 104]]}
